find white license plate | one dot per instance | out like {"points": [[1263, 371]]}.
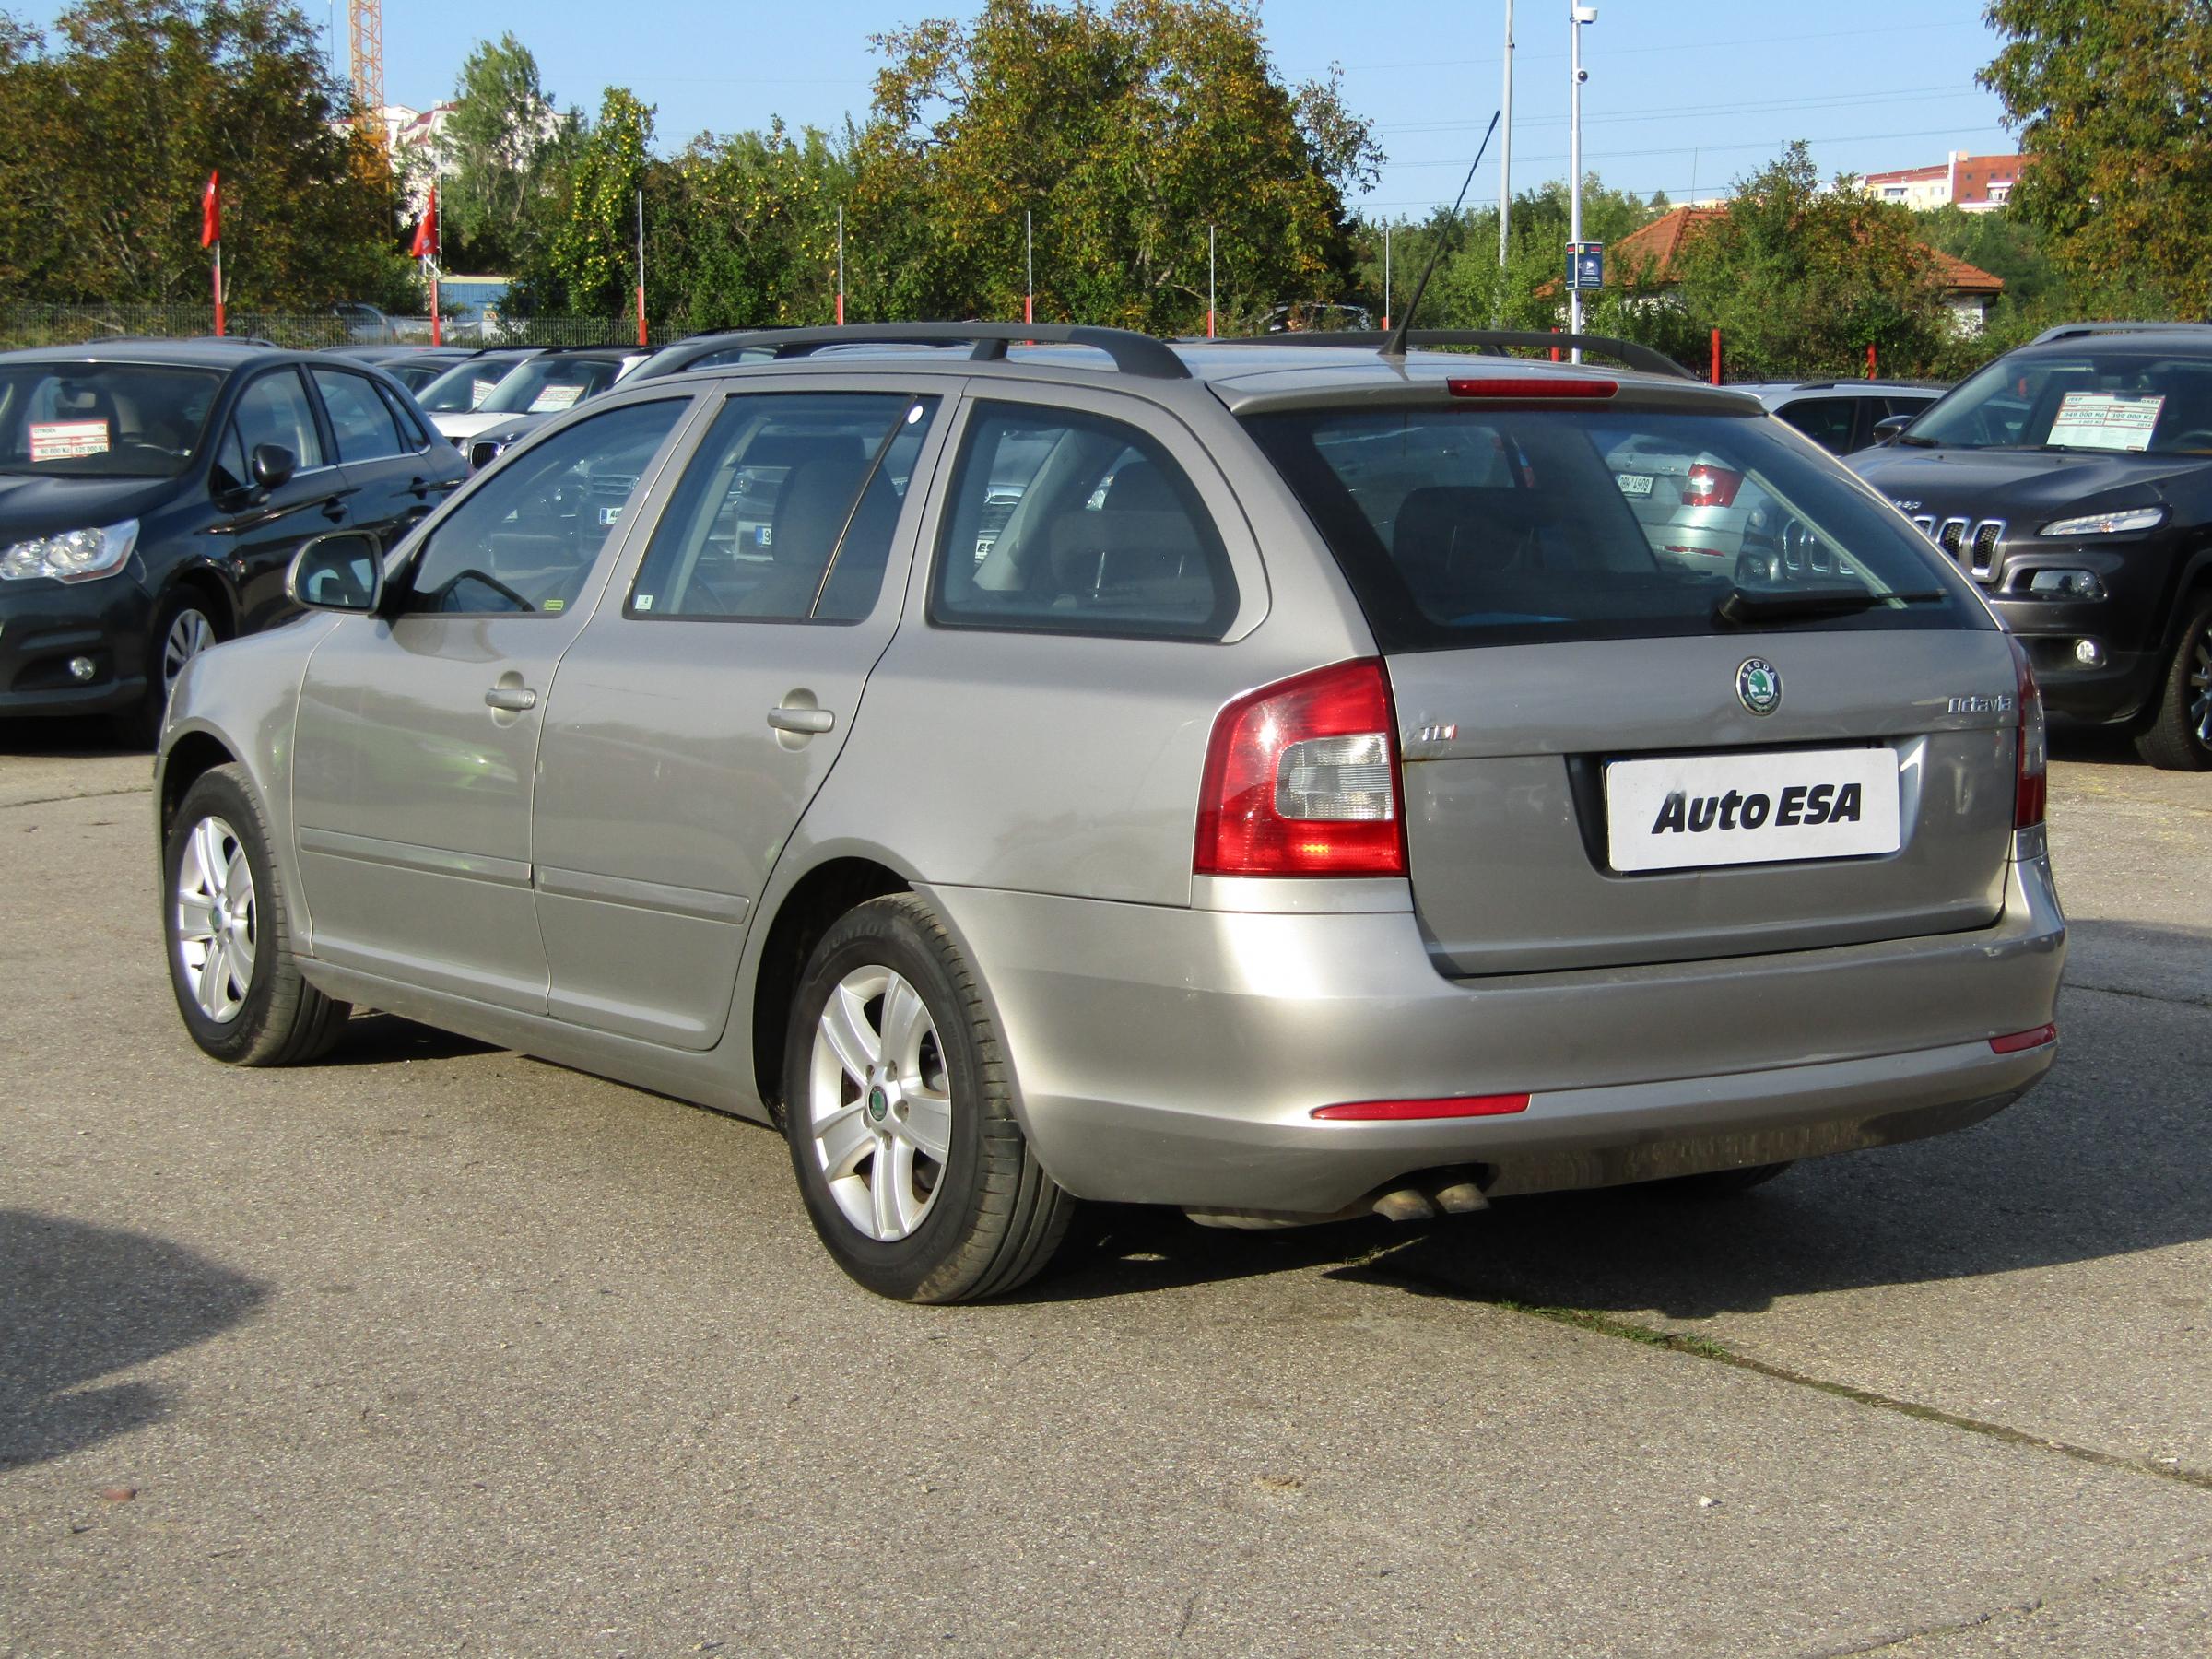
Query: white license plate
{"points": [[1636, 484], [1694, 810]]}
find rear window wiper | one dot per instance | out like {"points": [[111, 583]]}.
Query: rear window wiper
{"points": [[1740, 608]]}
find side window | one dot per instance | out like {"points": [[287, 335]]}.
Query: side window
{"points": [[358, 417], [411, 435], [1077, 523], [786, 511], [525, 542], [274, 409], [1826, 420]]}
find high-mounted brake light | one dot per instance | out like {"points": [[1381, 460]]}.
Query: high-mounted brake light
{"points": [[1530, 385], [1301, 779], [1711, 486], [1403, 1111], [2030, 790]]}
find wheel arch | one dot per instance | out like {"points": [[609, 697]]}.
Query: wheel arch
{"points": [[212, 584], [191, 757], [806, 912]]}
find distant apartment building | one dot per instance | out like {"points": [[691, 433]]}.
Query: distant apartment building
{"points": [[1975, 184]]}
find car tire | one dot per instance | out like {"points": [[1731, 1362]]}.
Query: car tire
{"points": [[898, 1111], [228, 935], [2178, 737], [1714, 1184], [185, 623]]}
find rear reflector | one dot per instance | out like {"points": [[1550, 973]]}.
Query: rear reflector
{"points": [[1400, 1112], [2025, 1039], [1531, 385]]}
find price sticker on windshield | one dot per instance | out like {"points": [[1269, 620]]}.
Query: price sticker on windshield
{"points": [[2105, 421], [66, 439]]}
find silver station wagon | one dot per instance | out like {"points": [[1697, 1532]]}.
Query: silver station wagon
{"points": [[1038, 764]]}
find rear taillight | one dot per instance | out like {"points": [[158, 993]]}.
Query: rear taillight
{"points": [[1711, 486], [1301, 779], [2032, 786]]}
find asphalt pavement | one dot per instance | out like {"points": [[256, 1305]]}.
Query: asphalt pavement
{"points": [[432, 1348]]}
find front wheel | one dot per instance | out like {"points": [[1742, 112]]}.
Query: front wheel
{"points": [[184, 627], [228, 936], [2180, 736], [900, 1120]]}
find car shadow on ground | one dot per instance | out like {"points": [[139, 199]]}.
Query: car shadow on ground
{"points": [[78, 1302], [54, 739], [378, 1038]]}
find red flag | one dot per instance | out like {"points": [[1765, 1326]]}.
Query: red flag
{"points": [[425, 234], [211, 211]]}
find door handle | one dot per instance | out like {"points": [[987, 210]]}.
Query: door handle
{"points": [[334, 509], [512, 699], [810, 721], [424, 487]]}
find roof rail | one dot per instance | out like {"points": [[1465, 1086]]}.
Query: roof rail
{"points": [[1132, 353], [1492, 340], [2074, 331]]}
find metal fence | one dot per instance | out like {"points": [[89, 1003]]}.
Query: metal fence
{"points": [[22, 326]]}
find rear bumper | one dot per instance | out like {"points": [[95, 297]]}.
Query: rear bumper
{"points": [[1175, 1056]]}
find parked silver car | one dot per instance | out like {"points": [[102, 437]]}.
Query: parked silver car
{"points": [[1275, 779]]}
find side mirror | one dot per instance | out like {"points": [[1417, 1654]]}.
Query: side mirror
{"points": [[341, 571], [274, 465], [1889, 426]]}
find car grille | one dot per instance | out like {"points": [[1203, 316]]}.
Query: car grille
{"points": [[1973, 544]]}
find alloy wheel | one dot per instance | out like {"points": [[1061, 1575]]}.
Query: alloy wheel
{"points": [[880, 1105], [189, 635], [2200, 688], [215, 938]]}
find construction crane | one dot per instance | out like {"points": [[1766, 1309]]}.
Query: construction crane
{"points": [[367, 17]]}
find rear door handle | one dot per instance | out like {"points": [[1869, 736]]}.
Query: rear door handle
{"points": [[812, 720], [513, 700]]}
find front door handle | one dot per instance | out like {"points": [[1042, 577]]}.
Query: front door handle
{"points": [[334, 509], [814, 722], [512, 699]]}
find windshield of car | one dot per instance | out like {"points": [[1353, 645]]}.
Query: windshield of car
{"points": [[465, 385], [415, 376], [1477, 526], [103, 420], [2127, 401], [543, 386]]}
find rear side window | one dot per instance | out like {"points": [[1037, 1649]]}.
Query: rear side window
{"points": [[1826, 420], [1072, 523], [274, 409], [786, 511], [1470, 525], [359, 420]]}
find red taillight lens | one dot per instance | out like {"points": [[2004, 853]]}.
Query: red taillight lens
{"points": [[2033, 787], [1301, 779], [1711, 486], [1402, 1111], [1529, 385], [2020, 1040]]}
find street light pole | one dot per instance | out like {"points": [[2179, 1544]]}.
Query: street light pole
{"points": [[1577, 16]]}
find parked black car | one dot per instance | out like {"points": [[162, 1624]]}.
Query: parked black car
{"points": [[413, 366], [152, 494], [2073, 478]]}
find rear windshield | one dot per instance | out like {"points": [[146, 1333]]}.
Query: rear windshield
{"points": [[1469, 527], [103, 420]]}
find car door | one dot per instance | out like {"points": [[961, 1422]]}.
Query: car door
{"points": [[699, 712], [257, 531], [416, 740], [386, 460]]}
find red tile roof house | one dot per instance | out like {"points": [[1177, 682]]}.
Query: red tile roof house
{"points": [[1968, 290]]}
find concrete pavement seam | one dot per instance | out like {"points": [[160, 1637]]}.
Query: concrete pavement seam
{"points": [[89, 795], [1705, 1349], [2177, 1002]]}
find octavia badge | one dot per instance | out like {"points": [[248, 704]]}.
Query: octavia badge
{"points": [[1759, 685]]}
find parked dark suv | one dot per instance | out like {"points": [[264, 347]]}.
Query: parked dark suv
{"points": [[2073, 480], [153, 492]]}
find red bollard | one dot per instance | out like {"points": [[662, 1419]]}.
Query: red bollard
{"points": [[1870, 373], [1716, 357]]}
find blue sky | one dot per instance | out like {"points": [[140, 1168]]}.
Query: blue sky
{"points": [[1682, 94]]}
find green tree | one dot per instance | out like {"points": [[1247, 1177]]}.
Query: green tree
{"points": [[1126, 132], [109, 133], [742, 230], [2110, 97], [502, 153], [593, 256]]}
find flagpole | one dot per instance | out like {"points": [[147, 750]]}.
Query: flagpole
{"points": [[1386, 276], [1029, 294], [219, 287], [432, 264], [841, 264], [640, 268], [1209, 282]]}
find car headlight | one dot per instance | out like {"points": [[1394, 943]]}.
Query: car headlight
{"points": [[2107, 524], [71, 556]]}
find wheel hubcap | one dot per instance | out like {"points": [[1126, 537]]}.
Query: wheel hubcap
{"points": [[216, 938], [880, 1105], [2200, 689], [189, 635]]}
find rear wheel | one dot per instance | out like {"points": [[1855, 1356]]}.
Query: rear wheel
{"points": [[2180, 736], [900, 1116], [230, 938]]}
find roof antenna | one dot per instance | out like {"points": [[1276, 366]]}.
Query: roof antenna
{"points": [[1395, 345]]}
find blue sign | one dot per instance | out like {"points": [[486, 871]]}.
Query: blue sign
{"points": [[1585, 264]]}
